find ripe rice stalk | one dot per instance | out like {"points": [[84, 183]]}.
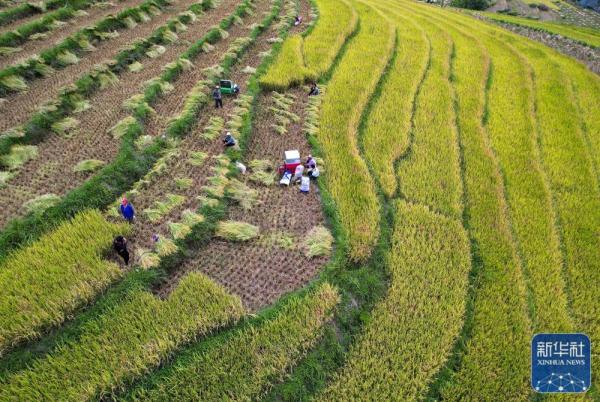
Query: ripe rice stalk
{"points": [[207, 47], [191, 218], [80, 13], [165, 247], [249, 70], [129, 22], [42, 69], [85, 45], [237, 20], [103, 4], [146, 258], [197, 158], [135, 67], [18, 156], [183, 183], [245, 196], [153, 10], [6, 51], [137, 103], [275, 40], [40, 6], [169, 36], [214, 127], [179, 230], [66, 58], [213, 72], [179, 26], [39, 204], [39, 36], [223, 34], [264, 54], [143, 141], [56, 24], [284, 240], [207, 201], [318, 242], [13, 82], [155, 51], [236, 231], [222, 159], [89, 165], [5, 177], [14, 132], [81, 106], [107, 35], [189, 15], [262, 177], [279, 129], [122, 127], [143, 16], [65, 126]]}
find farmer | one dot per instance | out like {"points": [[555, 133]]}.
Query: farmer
{"points": [[297, 20], [298, 173], [314, 89], [120, 246], [229, 141], [314, 173], [127, 210], [218, 97], [305, 185]]}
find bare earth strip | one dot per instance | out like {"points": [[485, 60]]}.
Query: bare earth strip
{"points": [[21, 105], [51, 171], [95, 14]]}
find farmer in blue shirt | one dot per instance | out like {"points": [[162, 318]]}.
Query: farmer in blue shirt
{"points": [[127, 210]]}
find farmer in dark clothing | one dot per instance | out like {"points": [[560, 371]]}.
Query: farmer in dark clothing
{"points": [[229, 141], [314, 89], [127, 210], [120, 246], [218, 97]]}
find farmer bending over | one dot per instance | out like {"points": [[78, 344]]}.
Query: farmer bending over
{"points": [[127, 210], [120, 246], [314, 89], [229, 141]]}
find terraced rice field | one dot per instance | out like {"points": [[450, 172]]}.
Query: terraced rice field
{"points": [[457, 211]]}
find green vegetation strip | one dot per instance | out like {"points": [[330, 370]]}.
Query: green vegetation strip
{"points": [[412, 330], [241, 365], [44, 283], [348, 92], [126, 342]]}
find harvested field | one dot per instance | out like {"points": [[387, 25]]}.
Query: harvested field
{"points": [[23, 104], [94, 14], [179, 167], [92, 140], [258, 271]]}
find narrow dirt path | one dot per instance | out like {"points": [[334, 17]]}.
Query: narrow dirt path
{"points": [[95, 14], [20, 106], [51, 171]]}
